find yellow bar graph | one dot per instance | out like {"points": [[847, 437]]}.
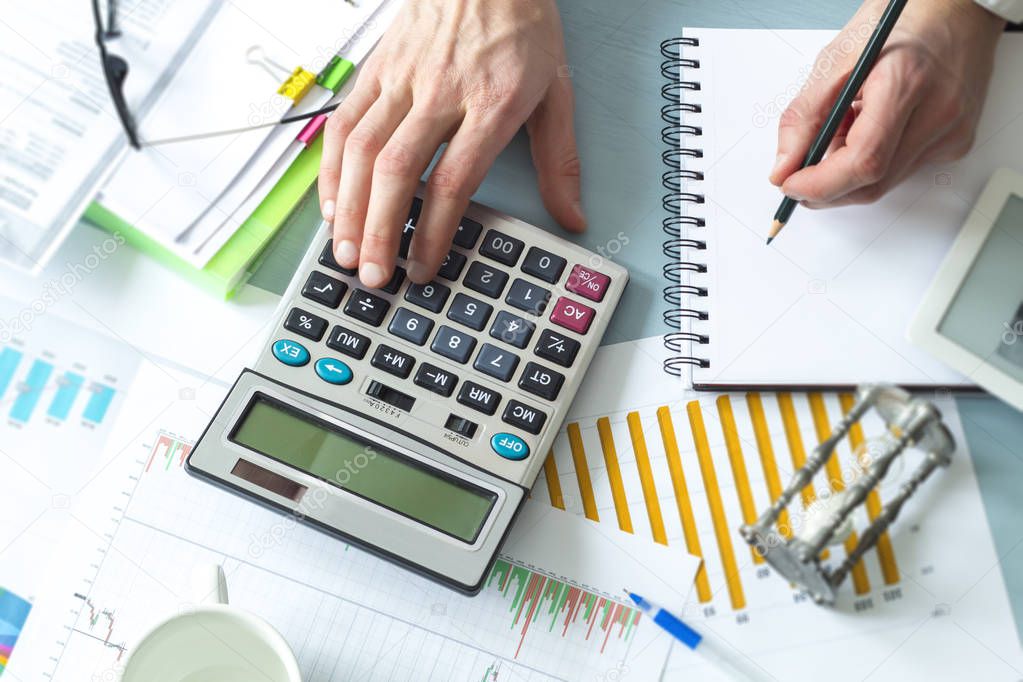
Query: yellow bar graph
{"points": [[767, 460], [796, 449], [550, 472], [833, 468], [646, 478], [685, 507], [722, 530], [582, 472], [885, 551], [735, 458], [614, 474]]}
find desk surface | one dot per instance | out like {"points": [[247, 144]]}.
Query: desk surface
{"points": [[613, 51]]}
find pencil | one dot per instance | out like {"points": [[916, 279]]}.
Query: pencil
{"points": [[845, 100]]}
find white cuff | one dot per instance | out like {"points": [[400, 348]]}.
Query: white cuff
{"points": [[1012, 10]]}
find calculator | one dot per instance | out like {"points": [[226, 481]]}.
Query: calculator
{"points": [[413, 419]]}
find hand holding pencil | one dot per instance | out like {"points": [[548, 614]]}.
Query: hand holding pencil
{"points": [[914, 99]]}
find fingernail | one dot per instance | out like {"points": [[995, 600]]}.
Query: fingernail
{"points": [[418, 272], [372, 275], [346, 253], [328, 209]]}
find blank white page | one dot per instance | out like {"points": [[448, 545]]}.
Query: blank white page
{"points": [[829, 301]]}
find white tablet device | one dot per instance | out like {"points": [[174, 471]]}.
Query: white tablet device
{"points": [[972, 316]]}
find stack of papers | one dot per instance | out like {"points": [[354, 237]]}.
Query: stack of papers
{"points": [[202, 78]]}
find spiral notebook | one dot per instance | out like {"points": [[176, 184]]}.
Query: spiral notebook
{"points": [[828, 303]]}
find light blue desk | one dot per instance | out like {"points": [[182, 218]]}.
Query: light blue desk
{"points": [[613, 51]]}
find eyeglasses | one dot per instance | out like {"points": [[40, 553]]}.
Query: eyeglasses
{"points": [[115, 68], [115, 71]]}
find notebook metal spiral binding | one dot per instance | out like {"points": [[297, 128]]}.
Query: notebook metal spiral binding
{"points": [[682, 252]]}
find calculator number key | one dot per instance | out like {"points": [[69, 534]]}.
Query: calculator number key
{"points": [[501, 247], [479, 397], [393, 361], [588, 283], [348, 342], [308, 325], [495, 362], [470, 311], [452, 266], [485, 279], [324, 289], [572, 315], [529, 297], [524, 417], [435, 379], [453, 344], [539, 380], [410, 326], [557, 348], [543, 265], [511, 329], [430, 296], [367, 307]]}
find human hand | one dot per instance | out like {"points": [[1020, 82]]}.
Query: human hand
{"points": [[919, 105], [465, 72]]}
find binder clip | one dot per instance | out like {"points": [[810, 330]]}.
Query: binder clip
{"points": [[296, 83], [910, 423]]}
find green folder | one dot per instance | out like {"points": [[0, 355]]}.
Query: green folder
{"points": [[227, 271]]}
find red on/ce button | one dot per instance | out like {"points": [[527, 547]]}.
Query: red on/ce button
{"points": [[588, 283], [572, 315]]}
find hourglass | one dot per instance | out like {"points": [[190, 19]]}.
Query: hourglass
{"points": [[910, 422]]}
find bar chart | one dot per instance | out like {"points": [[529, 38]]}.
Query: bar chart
{"points": [[38, 388], [684, 487]]}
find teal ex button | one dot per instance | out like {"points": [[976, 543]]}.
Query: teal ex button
{"points": [[509, 446], [333, 371], [290, 352]]}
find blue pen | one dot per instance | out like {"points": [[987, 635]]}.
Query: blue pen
{"points": [[717, 655]]}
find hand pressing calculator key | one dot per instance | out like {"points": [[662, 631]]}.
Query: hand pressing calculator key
{"points": [[413, 419]]}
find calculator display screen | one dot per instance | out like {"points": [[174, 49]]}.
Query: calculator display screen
{"points": [[358, 466]]}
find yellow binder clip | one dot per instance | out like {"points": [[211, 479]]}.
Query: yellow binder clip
{"points": [[297, 84]]}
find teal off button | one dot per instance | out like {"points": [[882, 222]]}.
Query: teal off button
{"points": [[509, 446], [290, 352], [333, 371]]}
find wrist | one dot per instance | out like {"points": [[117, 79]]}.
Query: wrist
{"points": [[972, 12]]}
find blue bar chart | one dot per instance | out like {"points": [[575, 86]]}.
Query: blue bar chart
{"points": [[45, 387]]}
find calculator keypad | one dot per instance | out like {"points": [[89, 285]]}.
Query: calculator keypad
{"points": [[453, 344], [557, 347], [527, 296], [543, 265], [501, 247], [471, 312], [498, 333], [511, 329], [487, 280], [412, 327], [496, 362], [367, 307], [348, 342], [430, 296], [305, 323], [479, 397], [324, 289], [393, 361]]}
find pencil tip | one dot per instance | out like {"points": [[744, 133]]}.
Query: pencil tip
{"points": [[769, 240]]}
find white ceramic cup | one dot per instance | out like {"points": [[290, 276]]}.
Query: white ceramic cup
{"points": [[213, 642]]}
